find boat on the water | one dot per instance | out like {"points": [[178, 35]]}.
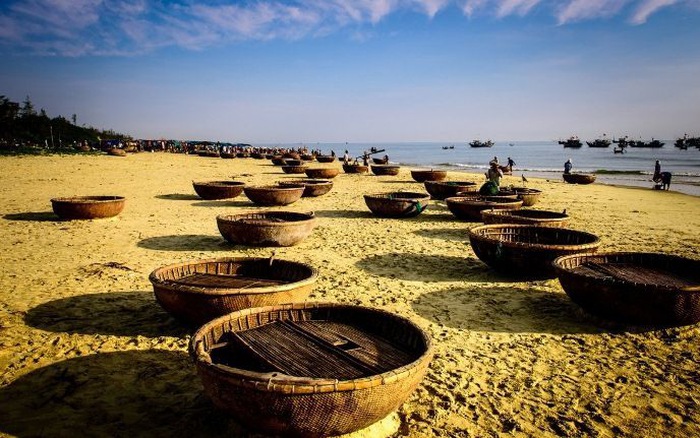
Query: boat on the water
{"points": [[571, 142], [599, 143], [646, 144], [481, 144]]}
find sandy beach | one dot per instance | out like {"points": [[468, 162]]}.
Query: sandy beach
{"points": [[85, 350]]}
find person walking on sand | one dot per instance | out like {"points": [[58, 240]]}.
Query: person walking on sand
{"points": [[568, 166]]}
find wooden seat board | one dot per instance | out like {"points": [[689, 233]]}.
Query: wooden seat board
{"points": [[199, 279], [636, 274]]}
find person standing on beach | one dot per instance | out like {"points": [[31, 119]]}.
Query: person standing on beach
{"points": [[657, 172], [568, 166]]}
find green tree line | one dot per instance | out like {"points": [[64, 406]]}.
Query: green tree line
{"points": [[24, 130]]}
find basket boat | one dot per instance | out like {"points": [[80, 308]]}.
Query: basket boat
{"points": [[279, 161], [633, 287], [307, 157], [578, 178], [88, 207], [274, 195], [527, 250], [291, 155], [257, 155], [312, 187], [272, 228], [242, 154], [385, 169], [529, 196], [470, 207], [270, 156], [218, 189], [310, 369], [355, 168], [294, 169], [322, 173], [211, 154], [199, 291], [445, 189], [423, 175], [325, 158], [380, 160], [397, 204], [117, 152], [227, 155], [501, 195], [543, 218]]}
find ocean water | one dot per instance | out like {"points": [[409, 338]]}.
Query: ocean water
{"points": [[543, 159]]}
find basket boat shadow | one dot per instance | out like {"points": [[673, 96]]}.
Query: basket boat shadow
{"points": [[186, 242], [34, 216], [224, 203], [110, 313], [155, 392], [179, 197], [422, 267], [508, 309]]}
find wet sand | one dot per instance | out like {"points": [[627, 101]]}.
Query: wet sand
{"points": [[86, 350]]}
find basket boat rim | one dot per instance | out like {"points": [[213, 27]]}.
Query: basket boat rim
{"points": [[306, 182], [273, 188], [475, 234], [155, 279], [562, 268], [98, 199], [385, 196], [219, 183], [263, 218], [478, 201], [283, 383]]}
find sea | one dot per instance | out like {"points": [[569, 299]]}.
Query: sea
{"points": [[540, 159]]}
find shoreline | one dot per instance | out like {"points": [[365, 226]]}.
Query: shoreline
{"points": [[83, 341]]}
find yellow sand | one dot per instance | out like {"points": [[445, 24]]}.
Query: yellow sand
{"points": [[85, 349]]}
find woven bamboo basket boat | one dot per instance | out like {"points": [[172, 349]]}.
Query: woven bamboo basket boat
{"points": [[385, 169], [635, 288], [423, 175], [446, 189], [218, 189], [291, 155], [311, 370], [212, 154], [271, 228], [322, 173], [527, 250], [242, 155], [274, 195], [199, 291], [116, 152], [543, 218], [469, 208], [397, 204], [270, 156], [380, 160], [308, 157], [227, 155], [325, 158], [257, 155], [529, 196], [579, 178], [355, 168], [312, 187], [501, 195], [297, 170], [88, 207], [279, 161]]}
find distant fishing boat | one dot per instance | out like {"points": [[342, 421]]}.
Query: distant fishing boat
{"points": [[599, 143], [481, 144], [571, 142], [644, 144]]}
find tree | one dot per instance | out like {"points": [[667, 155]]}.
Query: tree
{"points": [[74, 119], [27, 108]]}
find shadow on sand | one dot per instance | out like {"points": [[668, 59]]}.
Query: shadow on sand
{"points": [[505, 310], [129, 393], [186, 242], [179, 197], [34, 216], [113, 313]]}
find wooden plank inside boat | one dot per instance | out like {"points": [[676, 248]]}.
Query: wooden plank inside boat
{"points": [[226, 281], [636, 274], [322, 349]]}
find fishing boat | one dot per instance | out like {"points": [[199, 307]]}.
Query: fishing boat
{"points": [[599, 143], [646, 144], [481, 144], [571, 142]]}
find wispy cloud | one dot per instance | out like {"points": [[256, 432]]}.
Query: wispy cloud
{"points": [[98, 27]]}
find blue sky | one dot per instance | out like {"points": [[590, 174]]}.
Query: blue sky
{"points": [[359, 71]]}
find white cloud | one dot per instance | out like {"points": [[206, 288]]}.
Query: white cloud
{"points": [[647, 8], [78, 27]]}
